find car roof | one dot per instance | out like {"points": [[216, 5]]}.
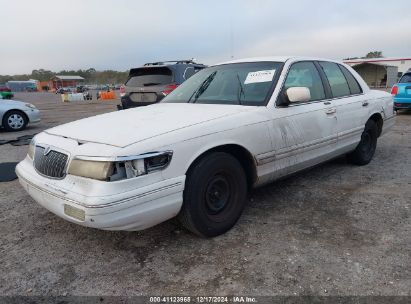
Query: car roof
{"points": [[277, 59], [170, 65], [173, 66]]}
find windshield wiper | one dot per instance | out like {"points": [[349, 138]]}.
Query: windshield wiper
{"points": [[240, 90], [203, 87]]}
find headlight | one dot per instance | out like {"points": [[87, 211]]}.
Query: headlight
{"points": [[31, 106], [118, 168], [92, 169], [32, 148]]}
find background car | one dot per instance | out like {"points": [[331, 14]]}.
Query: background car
{"points": [[6, 93], [81, 89], [402, 92], [15, 115], [65, 90], [152, 82]]}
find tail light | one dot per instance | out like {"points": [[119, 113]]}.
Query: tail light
{"points": [[122, 91], [170, 88], [394, 90]]}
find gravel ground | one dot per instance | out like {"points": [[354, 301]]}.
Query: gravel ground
{"points": [[336, 229]]}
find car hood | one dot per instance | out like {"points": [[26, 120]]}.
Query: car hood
{"points": [[12, 103], [126, 127]]}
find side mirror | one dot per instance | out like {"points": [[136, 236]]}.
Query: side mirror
{"points": [[298, 94]]}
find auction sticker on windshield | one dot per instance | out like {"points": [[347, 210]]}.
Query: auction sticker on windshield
{"points": [[259, 76]]}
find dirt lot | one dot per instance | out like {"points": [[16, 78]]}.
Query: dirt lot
{"points": [[336, 229]]}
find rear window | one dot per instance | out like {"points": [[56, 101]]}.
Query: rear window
{"points": [[352, 82], [190, 71], [406, 78], [142, 77], [338, 83]]}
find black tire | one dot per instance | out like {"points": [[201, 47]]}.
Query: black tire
{"points": [[214, 195], [14, 121], [365, 150]]}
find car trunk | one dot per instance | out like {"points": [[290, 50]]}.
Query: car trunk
{"points": [[404, 90], [146, 84]]}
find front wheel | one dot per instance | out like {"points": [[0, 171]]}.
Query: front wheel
{"points": [[214, 195], [14, 121], [365, 150]]}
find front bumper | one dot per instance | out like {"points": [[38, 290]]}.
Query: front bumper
{"points": [[33, 115], [133, 210]]}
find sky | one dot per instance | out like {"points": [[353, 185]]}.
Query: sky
{"points": [[120, 34]]}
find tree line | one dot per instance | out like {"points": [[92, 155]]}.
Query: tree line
{"points": [[373, 54], [91, 76]]}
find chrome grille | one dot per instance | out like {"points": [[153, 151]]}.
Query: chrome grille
{"points": [[53, 164]]}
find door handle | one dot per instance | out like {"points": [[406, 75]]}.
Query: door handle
{"points": [[327, 103], [365, 103], [331, 111]]}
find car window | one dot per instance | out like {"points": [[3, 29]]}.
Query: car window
{"points": [[189, 72], [141, 77], [352, 82], [305, 74], [336, 79], [237, 83], [406, 78]]}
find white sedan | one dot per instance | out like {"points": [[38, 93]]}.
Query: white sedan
{"points": [[15, 115], [229, 128]]}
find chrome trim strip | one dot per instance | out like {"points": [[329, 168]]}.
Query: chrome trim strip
{"points": [[102, 205], [293, 150], [389, 118], [123, 158], [352, 132], [137, 196]]}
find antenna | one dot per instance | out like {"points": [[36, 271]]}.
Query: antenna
{"points": [[231, 38]]}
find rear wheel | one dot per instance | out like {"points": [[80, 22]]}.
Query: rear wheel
{"points": [[14, 121], [214, 196], [365, 150]]}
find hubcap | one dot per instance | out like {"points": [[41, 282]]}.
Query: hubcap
{"points": [[15, 121], [217, 194]]}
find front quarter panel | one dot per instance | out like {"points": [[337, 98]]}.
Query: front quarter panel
{"points": [[249, 130]]}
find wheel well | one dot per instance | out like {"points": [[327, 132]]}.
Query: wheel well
{"points": [[240, 153], [377, 118], [15, 110]]}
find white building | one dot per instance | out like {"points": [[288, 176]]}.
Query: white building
{"points": [[380, 72]]}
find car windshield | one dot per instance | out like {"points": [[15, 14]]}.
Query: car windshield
{"points": [[406, 78], [237, 83]]}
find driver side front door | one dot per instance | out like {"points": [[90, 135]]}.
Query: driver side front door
{"points": [[303, 133]]}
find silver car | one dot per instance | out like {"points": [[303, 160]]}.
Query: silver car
{"points": [[15, 115]]}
